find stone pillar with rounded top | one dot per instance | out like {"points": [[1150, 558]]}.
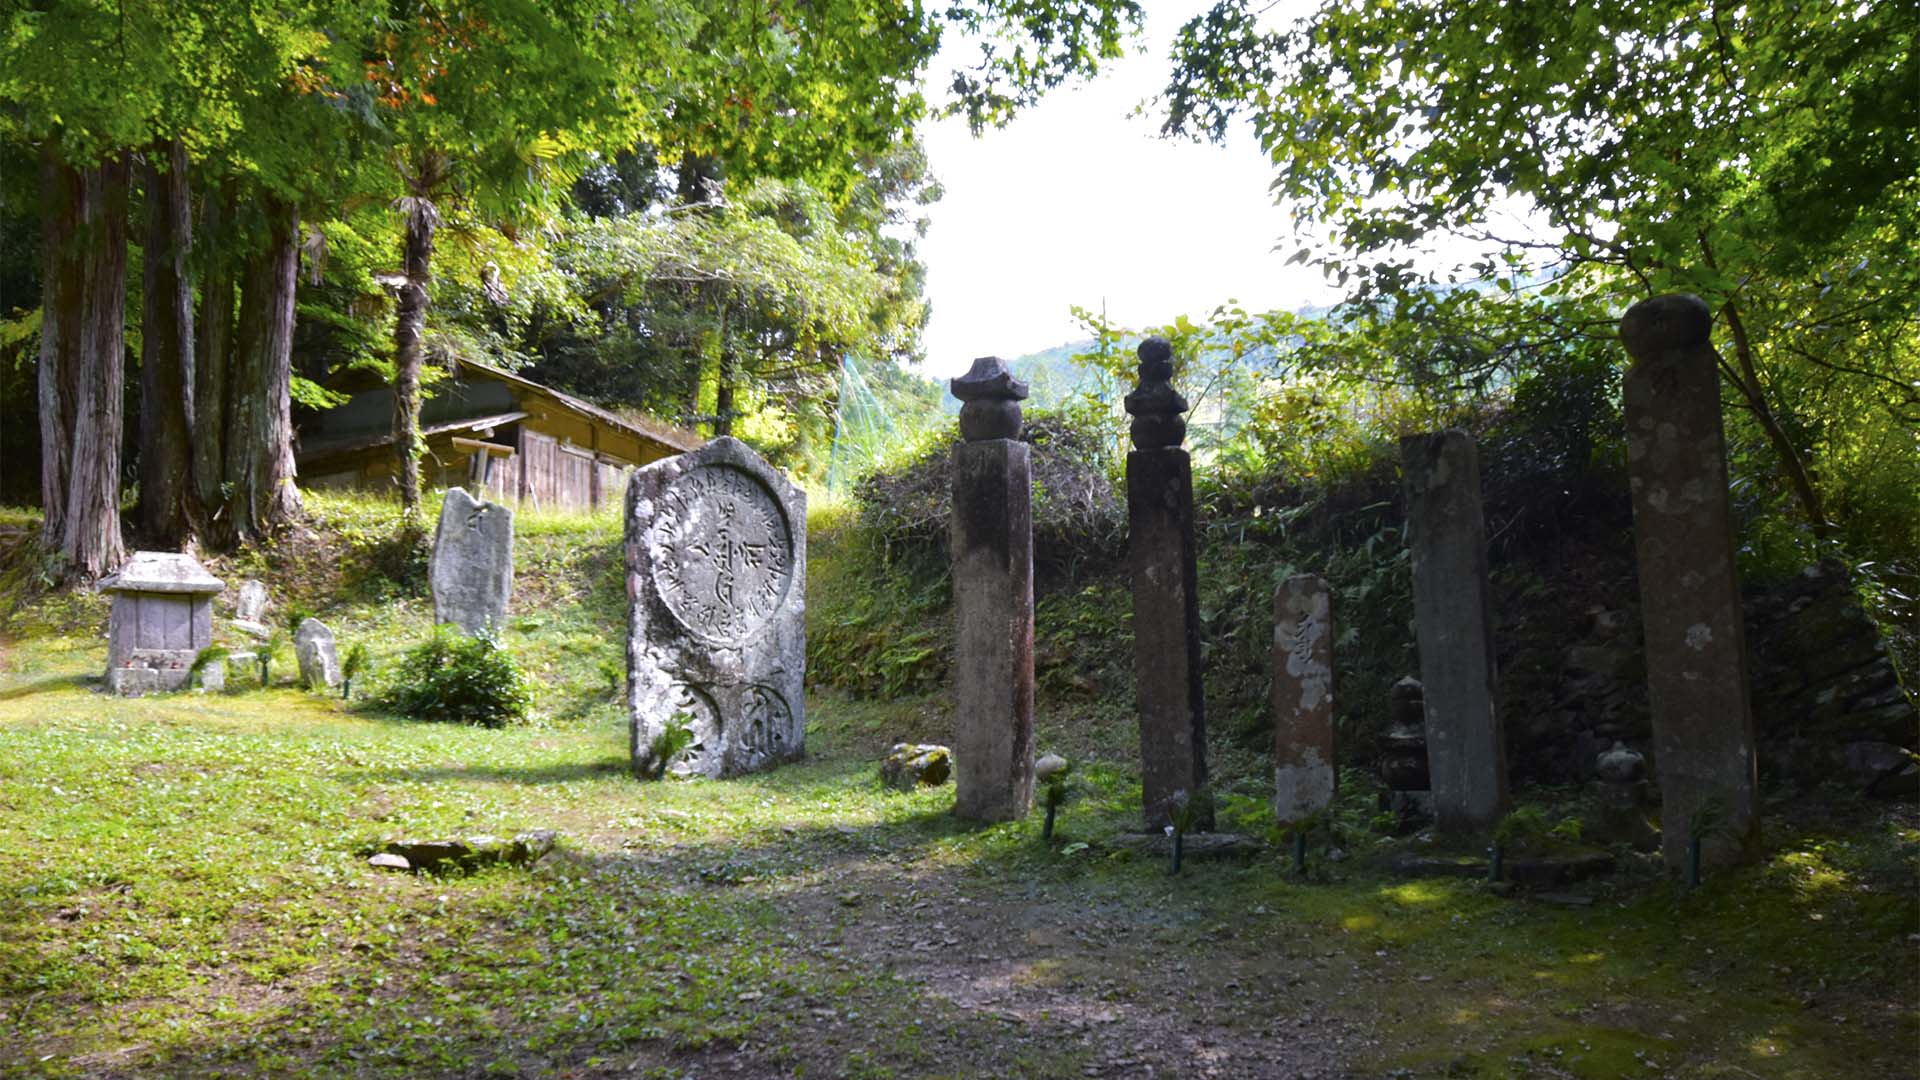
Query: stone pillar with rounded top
{"points": [[1453, 622], [1166, 601], [1303, 770], [1703, 744], [993, 598], [716, 599]]}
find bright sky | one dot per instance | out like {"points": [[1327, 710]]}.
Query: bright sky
{"points": [[1077, 203]]}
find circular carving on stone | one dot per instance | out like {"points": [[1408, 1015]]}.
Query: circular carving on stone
{"points": [[722, 553], [702, 755], [768, 717]]}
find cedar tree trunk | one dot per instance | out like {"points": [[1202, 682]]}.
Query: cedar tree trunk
{"points": [[166, 355], [88, 355], [260, 472], [408, 328], [63, 285], [213, 360]]}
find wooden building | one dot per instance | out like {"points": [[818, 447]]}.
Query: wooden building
{"points": [[487, 428]]}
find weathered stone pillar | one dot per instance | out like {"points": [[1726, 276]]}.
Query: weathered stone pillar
{"points": [[1689, 585], [1166, 601], [1303, 769], [1447, 536], [993, 598]]}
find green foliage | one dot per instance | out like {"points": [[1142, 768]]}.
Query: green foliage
{"points": [[359, 661], [673, 740], [202, 660], [452, 677]]}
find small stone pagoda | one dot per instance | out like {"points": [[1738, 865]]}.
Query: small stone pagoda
{"points": [[162, 617]]}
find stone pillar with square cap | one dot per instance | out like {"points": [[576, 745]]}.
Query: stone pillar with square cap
{"points": [[1166, 599], [162, 616], [993, 598], [1690, 607]]}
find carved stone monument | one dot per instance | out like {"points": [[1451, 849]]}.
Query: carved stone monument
{"points": [[250, 609], [1303, 768], [993, 598], [319, 659], [716, 591], [1689, 585], [162, 617], [1453, 620], [1166, 601], [472, 566]]}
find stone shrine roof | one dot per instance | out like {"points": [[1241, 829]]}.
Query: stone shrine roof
{"points": [[161, 572]]}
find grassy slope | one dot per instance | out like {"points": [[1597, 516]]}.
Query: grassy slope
{"points": [[183, 889]]}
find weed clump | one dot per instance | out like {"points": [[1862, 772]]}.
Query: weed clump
{"points": [[459, 679]]}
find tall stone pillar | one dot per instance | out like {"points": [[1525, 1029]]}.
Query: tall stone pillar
{"points": [[1303, 769], [993, 597], [1166, 601], [1453, 620], [1689, 584]]}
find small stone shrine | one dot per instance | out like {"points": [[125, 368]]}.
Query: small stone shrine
{"points": [[716, 591], [1166, 595], [1690, 614], [162, 617], [472, 566], [1303, 769], [319, 659], [1403, 752], [992, 557]]}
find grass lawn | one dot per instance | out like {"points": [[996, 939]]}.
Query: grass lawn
{"points": [[184, 889]]}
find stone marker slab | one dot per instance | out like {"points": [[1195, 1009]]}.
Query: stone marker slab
{"points": [[162, 616], [319, 659], [992, 557], [1690, 609], [1303, 764], [472, 566], [1453, 620], [250, 609], [716, 555]]}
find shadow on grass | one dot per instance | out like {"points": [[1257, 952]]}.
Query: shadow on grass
{"points": [[41, 686], [562, 773]]}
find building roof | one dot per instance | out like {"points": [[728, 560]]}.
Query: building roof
{"points": [[644, 429], [161, 572], [640, 427]]}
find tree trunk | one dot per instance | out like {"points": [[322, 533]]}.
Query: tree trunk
{"points": [[1755, 394], [260, 471], [63, 285], [212, 369], [166, 354], [408, 328], [723, 390], [90, 532]]}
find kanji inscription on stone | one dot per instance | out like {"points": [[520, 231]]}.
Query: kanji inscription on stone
{"points": [[722, 553]]}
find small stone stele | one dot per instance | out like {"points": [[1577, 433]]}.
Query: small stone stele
{"points": [[313, 647], [250, 609], [910, 766], [472, 566], [1304, 779]]}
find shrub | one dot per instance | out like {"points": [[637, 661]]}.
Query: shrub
{"points": [[452, 677]]}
